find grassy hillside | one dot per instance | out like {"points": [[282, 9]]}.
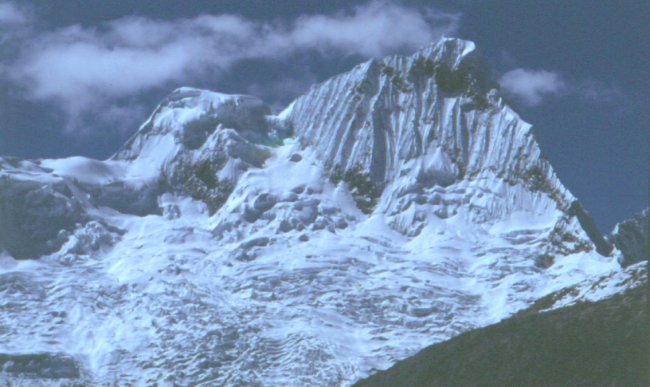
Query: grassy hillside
{"points": [[590, 344]]}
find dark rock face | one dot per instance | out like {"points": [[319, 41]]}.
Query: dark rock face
{"points": [[590, 344], [631, 237], [200, 181], [35, 217], [364, 191], [602, 246], [39, 366], [125, 199]]}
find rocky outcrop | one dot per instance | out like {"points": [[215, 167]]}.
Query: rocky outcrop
{"points": [[35, 216], [589, 225], [632, 239], [39, 367]]}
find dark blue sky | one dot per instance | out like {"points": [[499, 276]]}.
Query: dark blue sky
{"points": [[590, 108]]}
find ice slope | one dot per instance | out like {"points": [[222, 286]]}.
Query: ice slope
{"points": [[430, 135], [225, 246]]}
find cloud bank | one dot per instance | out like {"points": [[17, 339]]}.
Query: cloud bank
{"points": [[86, 69], [10, 14], [532, 86]]}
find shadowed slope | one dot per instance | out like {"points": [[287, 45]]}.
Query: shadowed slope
{"points": [[589, 344]]}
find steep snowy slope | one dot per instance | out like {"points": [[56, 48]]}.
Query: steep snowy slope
{"points": [[389, 208], [432, 126]]}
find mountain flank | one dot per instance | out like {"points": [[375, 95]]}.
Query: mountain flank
{"points": [[589, 344]]}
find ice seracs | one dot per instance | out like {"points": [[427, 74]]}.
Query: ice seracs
{"points": [[388, 208]]}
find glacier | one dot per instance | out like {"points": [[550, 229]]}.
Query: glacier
{"points": [[388, 208]]}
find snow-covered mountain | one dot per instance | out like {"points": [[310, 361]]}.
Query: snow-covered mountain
{"points": [[389, 208]]}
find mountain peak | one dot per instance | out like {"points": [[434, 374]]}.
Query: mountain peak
{"points": [[440, 103], [381, 94], [187, 116], [448, 50]]}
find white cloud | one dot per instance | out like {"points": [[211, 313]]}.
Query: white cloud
{"points": [[278, 92], [14, 26], [375, 29], [595, 91], [532, 86], [82, 68], [10, 14]]}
